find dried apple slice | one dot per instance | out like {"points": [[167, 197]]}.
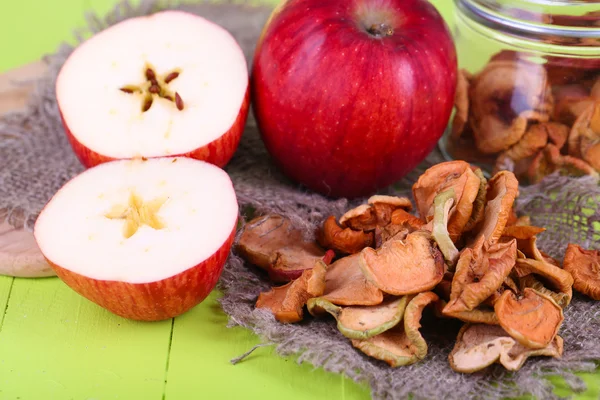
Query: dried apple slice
{"points": [[534, 140], [503, 189], [404, 218], [346, 285], [505, 96], [479, 346], [271, 242], [584, 140], [557, 278], [404, 267], [461, 102], [384, 206], [479, 273], [401, 224], [584, 266], [533, 319], [457, 175], [550, 160], [522, 232], [442, 204], [362, 322], [403, 344], [287, 302], [530, 281], [343, 240], [377, 212]]}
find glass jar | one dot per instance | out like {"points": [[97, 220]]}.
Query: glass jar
{"points": [[528, 95]]}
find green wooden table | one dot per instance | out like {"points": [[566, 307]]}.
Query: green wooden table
{"points": [[56, 345]]}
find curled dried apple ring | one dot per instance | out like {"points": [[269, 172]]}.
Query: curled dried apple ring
{"points": [[286, 302], [479, 273], [377, 212], [550, 160], [402, 267], [584, 266], [505, 97], [533, 319], [271, 242], [346, 285], [403, 344], [503, 189], [479, 346], [457, 175], [461, 103], [362, 322], [343, 240]]}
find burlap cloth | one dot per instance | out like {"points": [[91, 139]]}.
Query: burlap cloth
{"points": [[36, 160]]}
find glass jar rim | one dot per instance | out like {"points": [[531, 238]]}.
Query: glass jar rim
{"points": [[520, 21]]}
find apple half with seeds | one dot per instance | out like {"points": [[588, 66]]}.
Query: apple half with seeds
{"points": [[145, 239], [168, 84]]}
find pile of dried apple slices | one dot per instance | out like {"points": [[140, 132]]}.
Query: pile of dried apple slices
{"points": [[153, 106], [465, 255]]}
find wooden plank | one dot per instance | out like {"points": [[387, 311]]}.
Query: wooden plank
{"points": [[199, 365], [14, 90], [54, 344], [6, 283], [20, 255]]}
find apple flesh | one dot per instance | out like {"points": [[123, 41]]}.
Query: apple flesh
{"points": [[350, 95], [168, 84], [147, 240]]}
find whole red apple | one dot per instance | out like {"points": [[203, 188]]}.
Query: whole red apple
{"points": [[350, 95]]}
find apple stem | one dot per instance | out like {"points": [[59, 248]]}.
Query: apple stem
{"points": [[380, 30]]}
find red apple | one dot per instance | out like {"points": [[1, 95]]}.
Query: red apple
{"points": [[350, 95], [147, 240], [167, 84]]}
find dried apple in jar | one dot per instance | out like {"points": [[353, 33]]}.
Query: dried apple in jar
{"points": [[531, 107]]}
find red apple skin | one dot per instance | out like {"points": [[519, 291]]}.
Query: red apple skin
{"points": [[343, 112], [217, 152], [154, 301]]}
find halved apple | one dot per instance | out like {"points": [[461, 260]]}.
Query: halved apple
{"points": [[145, 239], [168, 84]]}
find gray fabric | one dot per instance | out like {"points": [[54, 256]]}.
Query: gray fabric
{"points": [[36, 159]]}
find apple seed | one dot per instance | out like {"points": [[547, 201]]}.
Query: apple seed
{"points": [[178, 102], [171, 76]]}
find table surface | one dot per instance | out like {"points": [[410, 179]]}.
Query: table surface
{"points": [[55, 344]]}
